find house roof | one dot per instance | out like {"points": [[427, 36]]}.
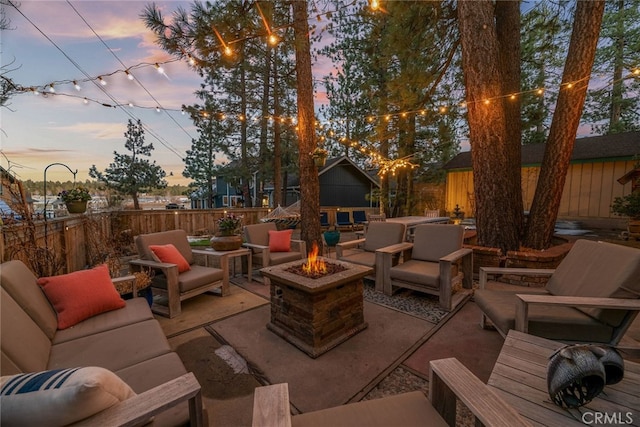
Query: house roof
{"points": [[335, 161], [604, 147]]}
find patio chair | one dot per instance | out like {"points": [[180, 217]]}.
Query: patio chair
{"points": [[435, 263], [343, 220], [272, 247], [363, 251], [324, 220], [174, 281], [449, 380], [592, 296], [359, 219]]}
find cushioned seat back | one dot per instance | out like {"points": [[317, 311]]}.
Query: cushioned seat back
{"points": [[19, 282], [433, 241], [177, 238], [381, 234], [23, 343], [258, 234], [598, 269]]}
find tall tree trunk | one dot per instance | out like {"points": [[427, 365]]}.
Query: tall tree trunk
{"points": [[508, 32], [496, 207], [277, 141], [618, 67], [263, 153], [309, 183], [564, 125]]}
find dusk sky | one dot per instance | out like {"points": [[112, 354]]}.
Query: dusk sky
{"points": [[38, 130]]}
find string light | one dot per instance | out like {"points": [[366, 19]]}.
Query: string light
{"points": [[76, 85], [159, 68], [102, 81], [52, 89]]}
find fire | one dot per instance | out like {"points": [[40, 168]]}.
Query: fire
{"points": [[314, 264]]}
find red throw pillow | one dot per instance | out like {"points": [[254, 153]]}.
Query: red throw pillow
{"points": [[82, 294], [280, 241], [171, 255]]}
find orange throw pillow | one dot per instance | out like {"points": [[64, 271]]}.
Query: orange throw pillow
{"points": [[171, 255], [280, 241], [80, 295]]}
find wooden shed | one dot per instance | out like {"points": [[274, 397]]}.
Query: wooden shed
{"points": [[592, 179]]}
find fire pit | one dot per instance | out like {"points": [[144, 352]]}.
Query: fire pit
{"points": [[316, 311]]}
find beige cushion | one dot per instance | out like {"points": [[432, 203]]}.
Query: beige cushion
{"points": [[418, 272], [433, 241], [195, 278], [21, 284], [177, 238], [258, 234], [59, 397], [598, 269], [23, 342], [361, 257], [407, 409], [552, 322], [136, 310], [382, 234], [113, 349]]}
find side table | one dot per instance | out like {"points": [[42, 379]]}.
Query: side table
{"points": [[225, 259]]}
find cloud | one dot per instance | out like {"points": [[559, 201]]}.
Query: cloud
{"points": [[95, 129]]}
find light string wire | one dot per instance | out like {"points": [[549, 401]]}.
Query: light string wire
{"points": [[94, 81], [135, 78]]}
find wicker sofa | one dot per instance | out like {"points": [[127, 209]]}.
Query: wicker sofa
{"points": [[127, 341]]}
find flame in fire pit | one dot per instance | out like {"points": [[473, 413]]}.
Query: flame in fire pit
{"points": [[314, 264]]}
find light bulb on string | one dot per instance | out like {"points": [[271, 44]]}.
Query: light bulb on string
{"points": [[52, 89], [129, 75], [159, 68], [102, 81], [76, 85]]}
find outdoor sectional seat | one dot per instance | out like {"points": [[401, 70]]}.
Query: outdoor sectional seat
{"points": [[126, 341], [167, 281], [592, 296], [449, 380], [363, 251]]}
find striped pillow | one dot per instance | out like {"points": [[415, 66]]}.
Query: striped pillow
{"points": [[59, 397]]}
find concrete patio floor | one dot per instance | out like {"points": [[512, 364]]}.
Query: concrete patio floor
{"points": [[459, 335]]}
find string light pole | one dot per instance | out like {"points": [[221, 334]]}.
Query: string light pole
{"points": [[46, 241]]}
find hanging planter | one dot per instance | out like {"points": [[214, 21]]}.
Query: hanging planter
{"points": [[76, 206], [319, 156], [76, 199]]}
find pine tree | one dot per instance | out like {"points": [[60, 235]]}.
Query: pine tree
{"points": [[132, 174]]}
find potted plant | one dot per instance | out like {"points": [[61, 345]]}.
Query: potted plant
{"points": [[629, 205], [227, 237], [319, 156], [76, 199]]}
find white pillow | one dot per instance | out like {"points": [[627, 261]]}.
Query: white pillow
{"points": [[59, 397]]}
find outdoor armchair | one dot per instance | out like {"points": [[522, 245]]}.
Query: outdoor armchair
{"points": [[258, 238], [359, 219], [170, 286], [449, 380], [435, 263], [363, 251], [324, 220], [343, 220], [592, 296]]}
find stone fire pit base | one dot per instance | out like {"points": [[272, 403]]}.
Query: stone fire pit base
{"points": [[316, 315]]}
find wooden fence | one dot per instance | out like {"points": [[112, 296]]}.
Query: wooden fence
{"points": [[78, 241]]}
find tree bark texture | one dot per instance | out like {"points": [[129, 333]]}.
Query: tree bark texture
{"points": [[508, 31], [564, 125], [497, 209], [309, 182]]}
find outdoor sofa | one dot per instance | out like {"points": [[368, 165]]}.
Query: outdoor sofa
{"points": [[134, 375]]}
